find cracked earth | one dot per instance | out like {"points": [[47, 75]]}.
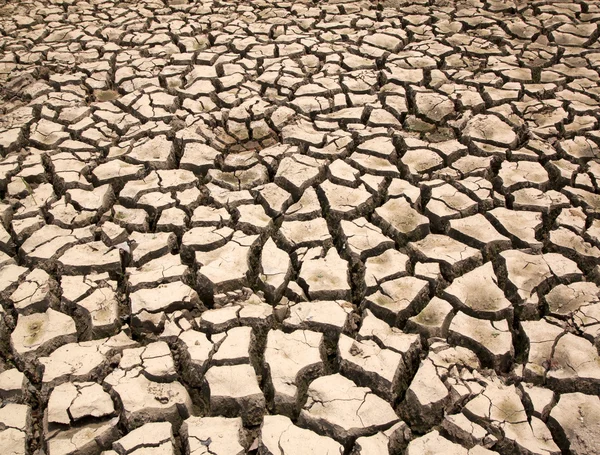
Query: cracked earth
{"points": [[299, 227]]}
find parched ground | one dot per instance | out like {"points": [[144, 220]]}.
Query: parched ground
{"points": [[295, 227]]}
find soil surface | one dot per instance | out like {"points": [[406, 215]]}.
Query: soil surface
{"points": [[299, 227]]}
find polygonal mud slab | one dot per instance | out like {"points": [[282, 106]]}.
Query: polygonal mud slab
{"points": [[149, 305], [41, 333], [477, 294], [326, 278], [337, 408], [527, 274], [400, 221], [392, 440], [363, 239], [15, 424], [235, 397], [150, 438], [291, 362], [371, 366], [435, 443], [226, 268], [398, 299], [35, 294], [70, 402], [344, 202], [90, 257], [145, 401], [575, 422], [499, 410], [279, 436], [455, 258], [567, 362], [490, 129], [213, 435], [81, 361], [321, 315], [48, 243], [91, 438], [491, 340]]}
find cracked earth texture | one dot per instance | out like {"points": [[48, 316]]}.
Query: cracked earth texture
{"points": [[299, 227]]}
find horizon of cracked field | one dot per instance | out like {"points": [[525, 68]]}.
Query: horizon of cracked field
{"points": [[304, 227]]}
